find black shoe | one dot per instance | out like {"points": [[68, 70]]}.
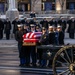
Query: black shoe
{"points": [[21, 65], [43, 66], [28, 65], [34, 65]]}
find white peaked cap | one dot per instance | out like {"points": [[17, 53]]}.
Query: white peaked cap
{"points": [[58, 26], [19, 25], [62, 17], [50, 26], [72, 17], [32, 25]]}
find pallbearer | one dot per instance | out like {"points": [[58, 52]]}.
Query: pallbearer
{"points": [[44, 40], [26, 49], [61, 35], [18, 37], [51, 40], [51, 35], [33, 48]]}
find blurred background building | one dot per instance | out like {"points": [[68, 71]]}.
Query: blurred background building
{"points": [[40, 5]]}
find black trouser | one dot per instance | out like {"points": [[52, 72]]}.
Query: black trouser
{"points": [[25, 55], [39, 55], [33, 54], [71, 35], [7, 36], [1, 34]]}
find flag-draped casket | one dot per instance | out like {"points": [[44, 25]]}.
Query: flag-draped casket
{"points": [[31, 38]]}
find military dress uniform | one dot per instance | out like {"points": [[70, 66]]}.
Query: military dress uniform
{"points": [[44, 23], [33, 53], [23, 21], [53, 22], [15, 25], [26, 49], [51, 41], [71, 28], [19, 39], [1, 28], [44, 40], [7, 28], [62, 22], [61, 35]]}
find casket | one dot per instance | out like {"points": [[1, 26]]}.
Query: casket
{"points": [[31, 39]]}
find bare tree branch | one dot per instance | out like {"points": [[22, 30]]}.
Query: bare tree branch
{"points": [[62, 2]]}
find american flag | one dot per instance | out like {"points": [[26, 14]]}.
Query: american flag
{"points": [[32, 37]]}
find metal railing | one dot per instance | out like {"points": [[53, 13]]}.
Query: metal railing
{"points": [[50, 13]]}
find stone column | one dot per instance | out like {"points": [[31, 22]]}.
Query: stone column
{"points": [[36, 5], [12, 11]]}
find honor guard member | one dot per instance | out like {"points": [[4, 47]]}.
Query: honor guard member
{"points": [[53, 22], [62, 22], [15, 23], [28, 25], [24, 20], [44, 23], [56, 35], [71, 27], [51, 41], [32, 14], [33, 21], [26, 49], [7, 28], [38, 28], [61, 35], [33, 48], [44, 40], [19, 39], [51, 35], [1, 28]]}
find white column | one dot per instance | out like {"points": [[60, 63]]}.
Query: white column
{"points": [[12, 5], [12, 11]]}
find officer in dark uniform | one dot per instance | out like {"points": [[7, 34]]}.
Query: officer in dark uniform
{"points": [[51, 41], [32, 14], [62, 22], [33, 48], [33, 21], [26, 49], [38, 28], [44, 23], [53, 22], [23, 21], [51, 35], [7, 28], [1, 28], [18, 37], [56, 35], [61, 35], [15, 23], [44, 40], [71, 28]]}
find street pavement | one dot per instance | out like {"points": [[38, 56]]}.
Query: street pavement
{"points": [[9, 59]]}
